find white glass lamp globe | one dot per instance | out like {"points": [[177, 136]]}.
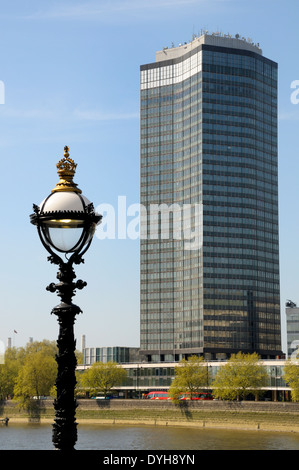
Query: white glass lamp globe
{"points": [[66, 219]]}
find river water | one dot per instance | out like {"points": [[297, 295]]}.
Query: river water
{"points": [[114, 437]]}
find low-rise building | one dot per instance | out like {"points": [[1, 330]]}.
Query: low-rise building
{"points": [[107, 354], [292, 319]]}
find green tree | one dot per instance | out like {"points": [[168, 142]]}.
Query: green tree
{"points": [[16, 359], [48, 348], [241, 376], [36, 377], [8, 373], [4, 382], [102, 377], [191, 376], [291, 377], [79, 357]]}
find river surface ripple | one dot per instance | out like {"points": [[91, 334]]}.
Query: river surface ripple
{"points": [[121, 437]]}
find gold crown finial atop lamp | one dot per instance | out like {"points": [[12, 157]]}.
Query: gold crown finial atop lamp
{"points": [[66, 168]]}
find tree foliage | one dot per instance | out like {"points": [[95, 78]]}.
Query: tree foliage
{"points": [[102, 377], [191, 376], [28, 371], [8, 373], [14, 361], [241, 376], [37, 374], [291, 377]]}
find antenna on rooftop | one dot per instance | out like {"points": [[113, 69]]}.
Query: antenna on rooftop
{"points": [[290, 303]]}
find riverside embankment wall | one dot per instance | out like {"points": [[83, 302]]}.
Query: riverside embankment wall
{"points": [[118, 404], [250, 415], [253, 406]]}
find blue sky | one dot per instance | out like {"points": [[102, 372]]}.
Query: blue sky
{"points": [[71, 76]]}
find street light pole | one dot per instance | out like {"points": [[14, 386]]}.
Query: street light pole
{"points": [[66, 222], [65, 427]]}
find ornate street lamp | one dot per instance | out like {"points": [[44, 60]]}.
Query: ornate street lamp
{"points": [[66, 222]]}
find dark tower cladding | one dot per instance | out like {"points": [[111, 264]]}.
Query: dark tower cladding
{"points": [[209, 198]]}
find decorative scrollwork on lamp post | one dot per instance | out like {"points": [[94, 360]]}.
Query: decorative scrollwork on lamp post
{"points": [[66, 222]]}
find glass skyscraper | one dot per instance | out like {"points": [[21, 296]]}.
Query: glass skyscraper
{"points": [[209, 196]]}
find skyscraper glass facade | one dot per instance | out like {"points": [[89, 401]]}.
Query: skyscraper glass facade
{"points": [[209, 245]]}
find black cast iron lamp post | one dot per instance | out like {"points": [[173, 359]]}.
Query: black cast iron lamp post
{"points": [[66, 222]]}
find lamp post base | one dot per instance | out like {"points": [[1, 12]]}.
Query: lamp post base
{"points": [[64, 435]]}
